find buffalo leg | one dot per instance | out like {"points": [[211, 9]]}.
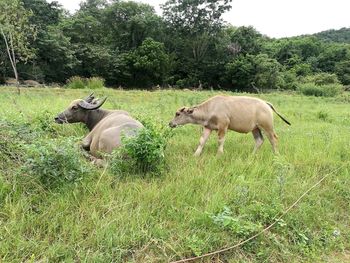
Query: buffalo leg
{"points": [[259, 139], [221, 140], [202, 141], [273, 140], [86, 143]]}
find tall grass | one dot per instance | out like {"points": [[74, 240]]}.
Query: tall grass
{"points": [[198, 205], [92, 83]]}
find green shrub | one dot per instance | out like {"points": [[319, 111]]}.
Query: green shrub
{"points": [[143, 153], [42, 122], [76, 82], [311, 89], [95, 83], [54, 162], [322, 79]]}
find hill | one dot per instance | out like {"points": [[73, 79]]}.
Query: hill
{"points": [[340, 36]]}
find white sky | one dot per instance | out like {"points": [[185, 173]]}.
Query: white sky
{"points": [[275, 18]]}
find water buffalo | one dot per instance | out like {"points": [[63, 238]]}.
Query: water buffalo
{"points": [[237, 113], [106, 126]]}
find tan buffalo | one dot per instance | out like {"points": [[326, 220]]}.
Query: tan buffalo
{"points": [[237, 113], [106, 126]]}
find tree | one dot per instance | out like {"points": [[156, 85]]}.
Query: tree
{"points": [[43, 13], [129, 23], [247, 40], [331, 55], [151, 62], [254, 71], [196, 17], [342, 69], [55, 55], [192, 30], [267, 72], [240, 72], [16, 32]]}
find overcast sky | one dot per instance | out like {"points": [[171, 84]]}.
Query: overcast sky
{"points": [[275, 18]]}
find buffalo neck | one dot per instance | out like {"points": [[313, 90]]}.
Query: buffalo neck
{"points": [[94, 117], [200, 115]]}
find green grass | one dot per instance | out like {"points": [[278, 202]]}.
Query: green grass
{"points": [[104, 218]]}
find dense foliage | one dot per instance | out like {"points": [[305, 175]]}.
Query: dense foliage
{"points": [[128, 44]]}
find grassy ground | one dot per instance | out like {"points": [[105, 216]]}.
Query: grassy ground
{"points": [[197, 205]]}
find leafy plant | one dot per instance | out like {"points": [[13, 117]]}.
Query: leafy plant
{"points": [[54, 162], [238, 225], [196, 244], [43, 122], [143, 152]]}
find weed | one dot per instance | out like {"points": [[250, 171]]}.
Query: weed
{"points": [[322, 115], [238, 225], [54, 162], [76, 82]]}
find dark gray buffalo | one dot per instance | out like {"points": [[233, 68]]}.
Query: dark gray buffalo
{"points": [[106, 126]]}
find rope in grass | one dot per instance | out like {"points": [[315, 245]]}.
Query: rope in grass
{"points": [[262, 231]]}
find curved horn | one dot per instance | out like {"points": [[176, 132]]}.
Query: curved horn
{"points": [[89, 106], [90, 97]]}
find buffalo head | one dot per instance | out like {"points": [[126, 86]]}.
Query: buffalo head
{"points": [[78, 110]]}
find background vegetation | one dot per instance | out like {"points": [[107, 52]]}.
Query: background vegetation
{"points": [[57, 207], [127, 44]]}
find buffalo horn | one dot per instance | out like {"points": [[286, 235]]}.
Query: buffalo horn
{"points": [[89, 98], [89, 106]]}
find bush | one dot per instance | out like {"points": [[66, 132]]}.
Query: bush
{"points": [[322, 79], [95, 83], [311, 89], [290, 80], [42, 122], [76, 82], [54, 162], [143, 153]]}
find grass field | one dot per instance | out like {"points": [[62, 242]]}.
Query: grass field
{"points": [[197, 205]]}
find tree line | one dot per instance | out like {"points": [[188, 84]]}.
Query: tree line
{"points": [[128, 44]]}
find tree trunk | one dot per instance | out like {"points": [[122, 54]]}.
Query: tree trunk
{"points": [[12, 58]]}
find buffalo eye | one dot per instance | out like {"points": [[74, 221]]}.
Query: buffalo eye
{"points": [[74, 107], [177, 114]]}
